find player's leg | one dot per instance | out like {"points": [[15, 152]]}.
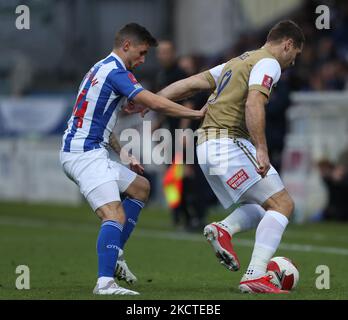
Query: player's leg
{"points": [[137, 189], [92, 172], [249, 214], [279, 208], [243, 218], [105, 201], [137, 195], [216, 235], [109, 239]]}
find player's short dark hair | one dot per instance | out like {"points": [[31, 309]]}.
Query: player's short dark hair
{"points": [[136, 32], [286, 29]]}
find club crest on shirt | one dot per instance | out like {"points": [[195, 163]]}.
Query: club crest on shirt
{"points": [[267, 82], [132, 78]]}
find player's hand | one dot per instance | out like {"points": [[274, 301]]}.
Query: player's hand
{"points": [[204, 109], [263, 161], [128, 159], [132, 108], [199, 114], [135, 165]]}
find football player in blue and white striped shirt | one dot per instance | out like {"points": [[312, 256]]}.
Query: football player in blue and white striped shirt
{"points": [[84, 154]]}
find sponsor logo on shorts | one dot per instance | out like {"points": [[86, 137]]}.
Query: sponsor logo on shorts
{"points": [[236, 180], [267, 82]]}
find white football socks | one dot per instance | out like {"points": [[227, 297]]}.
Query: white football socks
{"points": [[243, 218], [268, 235]]}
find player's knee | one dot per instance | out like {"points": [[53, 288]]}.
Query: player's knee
{"points": [[286, 205], [147, 188], [143, 190], [282, 203], [290, 206], [118, 216], [139, 189], [112, 211]]}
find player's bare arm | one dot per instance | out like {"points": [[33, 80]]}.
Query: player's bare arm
{"points": [[177, 91], [165, 106], [255, 121], [186, 88], [134, 164]]}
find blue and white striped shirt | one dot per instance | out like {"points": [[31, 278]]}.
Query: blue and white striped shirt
{"points": [[101, 96]]}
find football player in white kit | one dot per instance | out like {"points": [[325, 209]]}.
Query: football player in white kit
{"points": [[232, 151], [85, 158]]}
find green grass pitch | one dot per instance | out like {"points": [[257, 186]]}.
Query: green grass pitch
{"points": [[58, 244]]}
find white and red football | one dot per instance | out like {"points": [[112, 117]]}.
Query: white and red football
{"points": [[284, 273]]}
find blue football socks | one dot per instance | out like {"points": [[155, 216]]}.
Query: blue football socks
{"points": [[132, 208], [108, 245]]}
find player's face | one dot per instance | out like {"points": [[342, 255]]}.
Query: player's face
{"points": [[290, 53], [136, 54]]}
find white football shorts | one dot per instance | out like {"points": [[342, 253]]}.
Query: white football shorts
{"points": [[100, 179], [229, 166]]}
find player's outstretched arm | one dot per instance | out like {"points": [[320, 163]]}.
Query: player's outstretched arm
{"points": [[255, 121], [186, 88], [165, 106]]}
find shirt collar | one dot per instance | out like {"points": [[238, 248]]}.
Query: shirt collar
{"points": [[119, 59]]}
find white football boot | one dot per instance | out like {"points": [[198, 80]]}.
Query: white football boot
{"points": [[112, 288], [122, 271]]}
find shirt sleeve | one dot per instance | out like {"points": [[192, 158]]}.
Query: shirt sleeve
{"points": [[123, 82], [264, 75], [213, 74]]}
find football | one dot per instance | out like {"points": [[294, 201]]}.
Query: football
{"points": [[284, 273]]}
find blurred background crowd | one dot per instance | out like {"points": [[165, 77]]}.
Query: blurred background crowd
{"points": [[47, 62]]}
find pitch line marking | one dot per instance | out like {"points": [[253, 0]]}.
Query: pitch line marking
{"points": [[170, 235]]}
